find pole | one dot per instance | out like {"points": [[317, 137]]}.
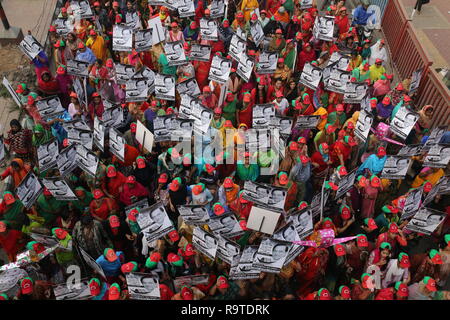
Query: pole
{"points": [[3, 17]]}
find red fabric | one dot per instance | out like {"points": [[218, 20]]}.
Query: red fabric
{"points": [[50, 87], [113, 184], [10, 242], [105, 208], [98, 110], [138, 191], [305, 57], [342, 23], [246, 115], [131, 153], [317, 158], [339, 148]]}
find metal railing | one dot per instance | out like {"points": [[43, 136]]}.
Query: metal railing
{"points": [[408, 55]]}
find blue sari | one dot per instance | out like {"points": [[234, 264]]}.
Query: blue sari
{"points": [[373, 163]]}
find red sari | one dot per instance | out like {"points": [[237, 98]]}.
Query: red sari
{"points": [[202, 72], [138, 191], [246, 115], [314, 262], [114, 183], [9, 241]]}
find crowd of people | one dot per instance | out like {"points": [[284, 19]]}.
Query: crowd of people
{"points": [[382, 261]]}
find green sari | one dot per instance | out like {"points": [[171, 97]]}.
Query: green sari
{"points": [[45, 137], [49, 208], [15, 216], [229, 112]]}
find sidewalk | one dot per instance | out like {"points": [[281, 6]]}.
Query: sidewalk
{"points": [[433, 29]]}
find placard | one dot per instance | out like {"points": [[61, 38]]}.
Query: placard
{"points": [[144, 136], [311, 76], [226, 225], [190, 281], [217, 9], [220, 70], [271, 255], [136, 90], [70, 291], [196, 215], [307, 122], [122, 38], [303, 222], [182, 129], [237, 47], [113, 118], [29, 189], [435, 137], [117, 144], [162, 127], [200, 52], [339, 60], [412, 203], [47, 155], [205, 242], [202, 117], [227, 250], [267, 62], [355, 92], [186, 8], [77, 68], [415, 81], [154, 222], [262, 220], [403, 122], [244, 270], [87, 160], [245, 67], [288, 233], [175, 53], [12, 92], [338, 81], [306, 4], [132, 20], [189, 87], [158, 31], [59, 189], [67, 160], [410, 150], [395, 167], [165, 87], [81, 137], [143, 40], [30, 46], [257, 33], [283, 124], [81, 9], [262, 115], [438, 156], [208, 29], [49, 107], [143, 286], [441, 187], [345, 184], [124, 72], [426, 221], [91, 262], [363, 125], [99, 134], [323, 28]]}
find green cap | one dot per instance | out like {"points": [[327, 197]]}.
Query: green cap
{"points": [[426, 279], [397, 285], [385, 245], [95, 280], [30, 244], [447, 238], [433, 253], [150, 264], [4, 296]]}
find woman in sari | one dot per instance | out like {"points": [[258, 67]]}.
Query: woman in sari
{"points": [[65, 85], [115, 181], [19, 140], [84, 199], [313, 263], [12, 211], [40, 135], [17, 170], [374, 163], [47, 84], [370, 194], [321, 162]]}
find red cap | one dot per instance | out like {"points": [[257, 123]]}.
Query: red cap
{"points": [[342, 171], [98, 194], [371, 224], [131, 179], [163, 178], [407, 98], [381, 152], [174, 185], [430, 284], [95, 94], [393, 228], [92, 32], [243, 225], [218, 209], [279, 31], [340, 107], [133, 127], [174, 24], [111, 171], [301, 140], [386, 100], [351, 125], [362, 241], [209, 168], [247, 98], [206, 89], [189, 250], [339, 249], [222, 282], [378, 61], [402, 290], [187, 294], [81, 45], [114, 221], [174, 236], [304, 159], [345, 292], [110, 255], [427, 186], [228, 183], [404, 261], [47, 192], [140, 161], [345, 213], [26, 285]]}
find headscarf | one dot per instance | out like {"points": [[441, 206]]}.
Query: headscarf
{"points": [[46, 135], [424, 120], [325, 156]]}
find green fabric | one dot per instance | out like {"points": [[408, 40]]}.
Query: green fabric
{"points": [[265, 158], [81, 204], [383, 221], [289, 59], [229, 112], [333, 117], [14, 216], [356, 73], [49, 208], [64, 256], [165, 68], [247, 173], [46, 135], [289, 6]]}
